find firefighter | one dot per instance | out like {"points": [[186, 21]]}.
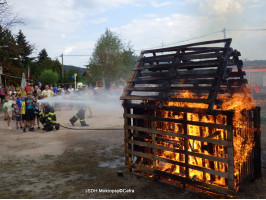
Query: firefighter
{"points": [[81, 112], [48, 118]]}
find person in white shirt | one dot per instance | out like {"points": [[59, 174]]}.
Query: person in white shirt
{"points": [[63, 92], [70, 89]]}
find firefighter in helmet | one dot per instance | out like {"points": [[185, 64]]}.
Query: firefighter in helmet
{"points": [[48, 118], [82, 109]]}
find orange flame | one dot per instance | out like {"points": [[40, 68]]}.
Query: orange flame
{"points": [[242, 139]]}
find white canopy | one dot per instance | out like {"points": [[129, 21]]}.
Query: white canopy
{"points": [[23, 80]]}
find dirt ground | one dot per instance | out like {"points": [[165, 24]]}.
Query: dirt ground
{"points": [[71, 163]]}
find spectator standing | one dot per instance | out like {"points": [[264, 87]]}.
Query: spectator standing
{"points": [[13, 91], [23, 111], [13, 98], [29, 113], [2, 95], [23, 92], [70, 90], [8, 110], [18, 89], [55, 90], [17, 115], [36, 109], [27, 88], [19, 100], [47, 93], [63, 91]]}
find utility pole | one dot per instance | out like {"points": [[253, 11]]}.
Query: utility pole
{"points": [[62, 66], [224, 31]]}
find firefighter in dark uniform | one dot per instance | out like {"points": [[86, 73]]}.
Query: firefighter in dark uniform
{"points": [[81, 112], [48, 118]]}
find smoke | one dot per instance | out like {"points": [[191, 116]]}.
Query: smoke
{"points": [[104, 101]]}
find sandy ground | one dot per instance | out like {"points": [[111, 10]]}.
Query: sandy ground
{"points": [[66, 163]]}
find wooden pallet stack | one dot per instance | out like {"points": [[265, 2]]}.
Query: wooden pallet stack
{"points": [[203, 69]]}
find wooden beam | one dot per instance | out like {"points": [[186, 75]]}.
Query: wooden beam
{"points": [[209, 157], [174, 162]]}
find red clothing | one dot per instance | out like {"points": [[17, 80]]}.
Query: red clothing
{"points": [[27, 88]]}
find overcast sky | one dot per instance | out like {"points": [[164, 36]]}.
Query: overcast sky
{"points": [[72, 27]]}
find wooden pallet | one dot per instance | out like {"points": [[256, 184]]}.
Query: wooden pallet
{"points": [[202, 68], [142, 140]]}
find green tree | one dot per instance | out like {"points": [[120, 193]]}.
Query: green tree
{"points": [[48, 77], [42, 56], [24, 48], [8, 52], [111, 59]]}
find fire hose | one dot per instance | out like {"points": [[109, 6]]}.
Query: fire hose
{"points": [[103, 129], [92, 129]]}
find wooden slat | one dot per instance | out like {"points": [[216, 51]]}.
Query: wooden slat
{"points": [[186, 46], [205, 124], [180, 178], [171, 89], [194, 182], [190, 65], [127, 135], [150, 156], [192, 137], [221, 70], [236, 74], [257, 140], [236, 81], [204, 49], [186, 56], [141, 168], [183, 74], [176, 108], [155, 98], [230, 153], [209, 157], [188, 73], [134, 74], [175, 81], [188, 52]]}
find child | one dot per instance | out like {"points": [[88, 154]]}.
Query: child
{"points": [[36, 109], [29, 113], [19, 100], [8, 110], [23, 111], [17, 115], [14, 101]]}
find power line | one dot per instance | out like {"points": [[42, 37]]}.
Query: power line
{"points": [[186, 40], [223, 31], [193, 38], [258, 29], [75, 55]]}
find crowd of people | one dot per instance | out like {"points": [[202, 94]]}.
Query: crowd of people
{"points": [[21, 104]]}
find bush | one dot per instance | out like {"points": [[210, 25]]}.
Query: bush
{"points": [[49, 77]]}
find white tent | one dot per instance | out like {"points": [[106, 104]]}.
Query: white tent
{"points": [[23, 81]]}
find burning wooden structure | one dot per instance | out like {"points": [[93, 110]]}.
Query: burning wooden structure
{"points": [[189, 120]]}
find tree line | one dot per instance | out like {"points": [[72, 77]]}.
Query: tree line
{"points": [[111, 60]]}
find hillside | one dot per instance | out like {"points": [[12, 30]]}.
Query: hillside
{"points": [[254, 62], [79, 70]]}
